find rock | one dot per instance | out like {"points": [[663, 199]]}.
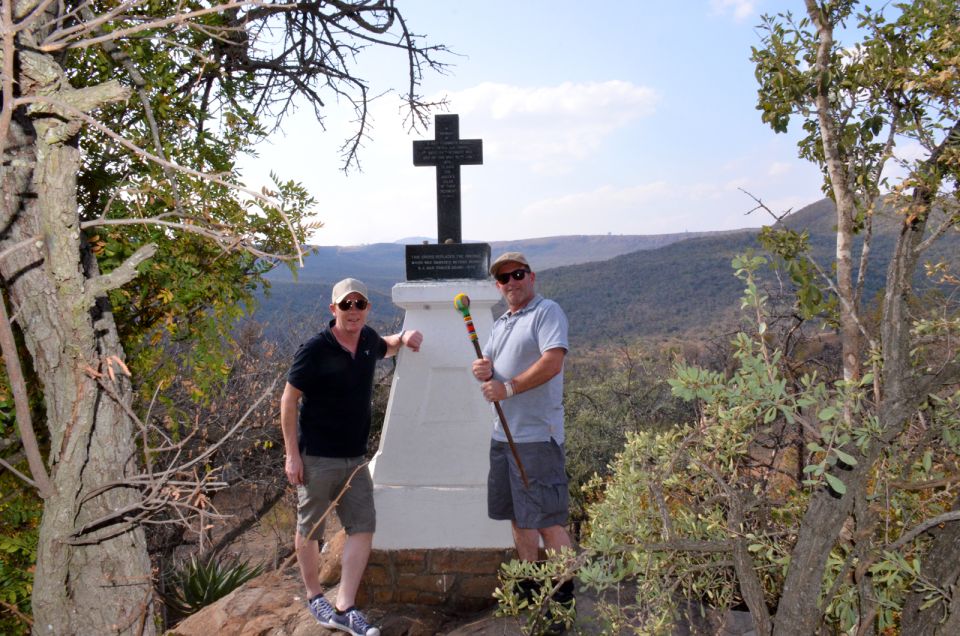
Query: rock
{"points": [[270, 605], [330, 557], [273, 604]]}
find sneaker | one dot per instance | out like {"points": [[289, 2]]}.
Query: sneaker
{"points": [[353, 622], [564, 596], [555, 626], [321, 609]]}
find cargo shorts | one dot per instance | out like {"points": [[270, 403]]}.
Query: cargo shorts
{"points": [[546, 502], [324, 478]]}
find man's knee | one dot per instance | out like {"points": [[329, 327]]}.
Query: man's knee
{"points": [[556, 537]]}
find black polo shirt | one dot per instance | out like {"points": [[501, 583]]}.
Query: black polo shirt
{"points": [[337, 388]]}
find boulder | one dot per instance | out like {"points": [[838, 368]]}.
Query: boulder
{"points": [[272, 604]]}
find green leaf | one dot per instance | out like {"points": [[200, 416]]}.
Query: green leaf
{"points": [[846, 458], [838, 486], [827, 413]]}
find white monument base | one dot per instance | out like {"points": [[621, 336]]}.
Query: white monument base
{"points": [[430, 473]]}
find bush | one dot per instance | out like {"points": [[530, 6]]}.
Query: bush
{"points": [[203, 580], [20, 517]]}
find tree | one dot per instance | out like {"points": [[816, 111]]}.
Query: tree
{"points": [[823, 504], [214, 70], [900, 85]]}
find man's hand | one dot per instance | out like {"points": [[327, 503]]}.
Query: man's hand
{"points": [[494, 391], [412, 339], [294, 469], [482, 369]]}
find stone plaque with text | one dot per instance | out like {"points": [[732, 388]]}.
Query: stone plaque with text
{"points": [[448, 261]]}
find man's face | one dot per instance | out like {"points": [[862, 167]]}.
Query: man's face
{"points": [[517, 292], [349, 317]]}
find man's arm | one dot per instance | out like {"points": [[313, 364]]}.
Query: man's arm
{"points": [[548, 365], [411, 339], [293, 465]]}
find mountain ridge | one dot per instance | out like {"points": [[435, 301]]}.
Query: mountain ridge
{"points": [[675, 285]]}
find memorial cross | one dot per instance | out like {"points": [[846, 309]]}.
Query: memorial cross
{"points": [[448, 152]]}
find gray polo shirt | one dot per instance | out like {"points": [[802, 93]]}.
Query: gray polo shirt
{"points": [[516, 341]]}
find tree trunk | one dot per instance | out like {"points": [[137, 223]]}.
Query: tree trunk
{"points": [[842, 194], [798, 612], [98, 580], [942, 566], [943, 571]]}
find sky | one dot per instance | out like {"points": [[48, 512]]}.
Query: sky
{"points": [[611, 117]]}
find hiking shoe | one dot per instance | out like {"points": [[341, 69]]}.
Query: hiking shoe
{"points": [[555, 626], [353, 622], [321, 609], [564, 596]]}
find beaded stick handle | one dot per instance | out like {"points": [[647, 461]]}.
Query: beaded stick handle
{"points": [[462, 303]]}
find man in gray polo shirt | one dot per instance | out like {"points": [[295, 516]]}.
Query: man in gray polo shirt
{"points": [[522, 368]]}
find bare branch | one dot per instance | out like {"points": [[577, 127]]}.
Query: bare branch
{"points": [[18, 386], [16, 612], [126, 272], [120, 57], [51, 44], [91, 23], [845, 302], [864, 258], [163, 490], [7, 54], [750, 587], [221, 236], [33, 241], [920, 528], [951, 221], [330, 508], [159, 161], [16, 472]]}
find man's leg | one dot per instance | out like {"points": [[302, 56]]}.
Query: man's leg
{"points": [[308, 558], [356, 552], [556, 537], [527, 542]]}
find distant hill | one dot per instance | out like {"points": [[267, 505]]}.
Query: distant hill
{"points": [[379, 263], [612, 287], [689, 286], [302, 296]]}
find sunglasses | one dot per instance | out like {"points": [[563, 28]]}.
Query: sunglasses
{"points": [[347, 305], [517, 274]]}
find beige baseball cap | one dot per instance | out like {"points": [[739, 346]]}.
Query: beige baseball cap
{"points": [[508, 257], [346, 287]]}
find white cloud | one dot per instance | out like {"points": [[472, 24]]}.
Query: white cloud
{"points": [[778, 168], [911, 151], [550, 128], [741, 9]]}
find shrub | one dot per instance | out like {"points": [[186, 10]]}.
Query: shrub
{"points": [[203, 580]]}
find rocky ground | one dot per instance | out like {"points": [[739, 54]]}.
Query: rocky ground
{"points": [[273, 603]]}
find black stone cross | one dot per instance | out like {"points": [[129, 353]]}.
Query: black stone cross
{"points": [[448, 152]]}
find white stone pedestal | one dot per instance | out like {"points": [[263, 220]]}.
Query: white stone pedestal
{"points": [[430, 473]]}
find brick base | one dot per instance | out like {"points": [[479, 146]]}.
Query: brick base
{"points": [[456, 579]]}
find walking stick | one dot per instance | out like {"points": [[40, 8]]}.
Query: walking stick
{"points": [[462, 303]]}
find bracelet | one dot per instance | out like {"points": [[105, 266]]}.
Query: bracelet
{"points": [[402, 334], [509, 387]]}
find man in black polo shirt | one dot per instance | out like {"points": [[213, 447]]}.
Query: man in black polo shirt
{"points": [[332, 381]]}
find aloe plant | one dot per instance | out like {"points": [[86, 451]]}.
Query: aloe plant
{"points": [[202, 580]]}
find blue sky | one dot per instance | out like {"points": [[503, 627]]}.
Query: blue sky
{"points": [[621, 116]]}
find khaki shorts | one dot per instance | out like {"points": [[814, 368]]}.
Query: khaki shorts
{"points": [[546, 502], [324, 478]]}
